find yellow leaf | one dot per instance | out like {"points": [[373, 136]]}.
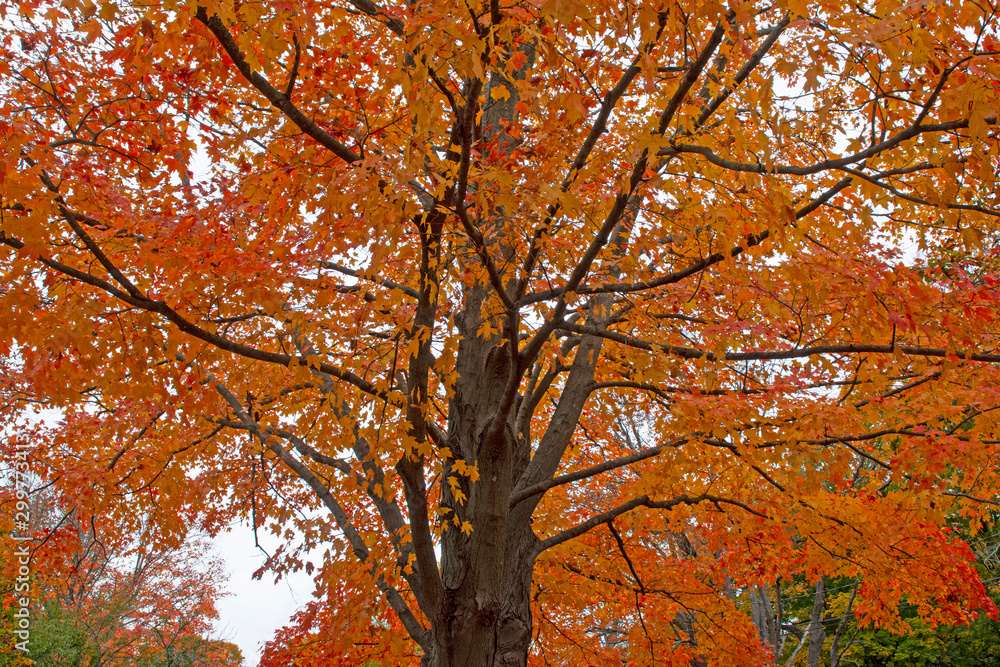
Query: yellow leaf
{"points": [[500, 93], [972, 237]]}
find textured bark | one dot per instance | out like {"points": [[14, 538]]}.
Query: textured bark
{"points": [[766, 618], [485, 616], [816, 633]]}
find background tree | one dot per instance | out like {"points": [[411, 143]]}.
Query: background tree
{"points": [[437, 249], [786, 624], [109, 602]]}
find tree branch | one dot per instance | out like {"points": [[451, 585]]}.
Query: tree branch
{"points": [[542, 487], [274, 96], [696, 267], [827, 165], [378, 280], [641, 501], [774, 355], [413, 627], [193, 330]]}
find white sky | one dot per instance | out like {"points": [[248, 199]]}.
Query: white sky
{"points": [[254, 609]]}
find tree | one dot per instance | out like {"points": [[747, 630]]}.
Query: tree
{"points": [[787, 614], [961, 645], [547, 327], [108, 602], [141, 609]]}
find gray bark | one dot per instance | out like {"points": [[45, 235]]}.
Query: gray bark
{"points": [[767, 619], [816, 634]]}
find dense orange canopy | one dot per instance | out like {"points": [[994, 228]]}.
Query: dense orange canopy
{"points": [[546, 332]]}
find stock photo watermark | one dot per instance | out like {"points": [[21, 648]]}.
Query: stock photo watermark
{"points": [[21, 547]]}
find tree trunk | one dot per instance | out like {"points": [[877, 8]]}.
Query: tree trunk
{"points": [[484, 619], [816, 634], [473, 631], [763, 614]]}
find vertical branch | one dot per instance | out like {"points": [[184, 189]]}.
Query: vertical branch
{"points": [[411, 464], [816, 633], [835, 652]]}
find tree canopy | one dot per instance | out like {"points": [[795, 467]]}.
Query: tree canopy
{"points": [[545, 330]]}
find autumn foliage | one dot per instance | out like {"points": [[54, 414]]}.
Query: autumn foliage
{"points": [[545, 332], [108, 600]]}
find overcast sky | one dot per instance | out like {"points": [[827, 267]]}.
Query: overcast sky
{"points": [[254, 609]]}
